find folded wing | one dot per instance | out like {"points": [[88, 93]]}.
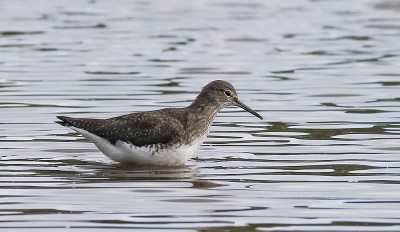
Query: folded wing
{"points": [[137, 129]]}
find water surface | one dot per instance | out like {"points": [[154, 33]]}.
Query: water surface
{"points": [[323, 74]]}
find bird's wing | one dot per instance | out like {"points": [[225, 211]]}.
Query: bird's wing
{"points": [[139, 129]]}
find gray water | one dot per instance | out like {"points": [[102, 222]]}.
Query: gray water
{"points": [[325, 76]]}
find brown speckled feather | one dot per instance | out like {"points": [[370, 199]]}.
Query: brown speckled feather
{"points": [[139, 129]]}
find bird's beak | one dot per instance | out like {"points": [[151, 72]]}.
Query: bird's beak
{"points": [[246, 108]]}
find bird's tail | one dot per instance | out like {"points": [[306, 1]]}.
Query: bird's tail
{"points": [[64, 121], [88, 124]]}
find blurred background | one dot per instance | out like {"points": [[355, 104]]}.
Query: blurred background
{"points": [[324, 74]]}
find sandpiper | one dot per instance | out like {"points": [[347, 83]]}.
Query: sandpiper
{"points": [[167, 137]]}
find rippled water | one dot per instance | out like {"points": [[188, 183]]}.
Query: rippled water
{"points": [[324, 74]]}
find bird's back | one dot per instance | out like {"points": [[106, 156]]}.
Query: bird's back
{"points": [[139, 129]]}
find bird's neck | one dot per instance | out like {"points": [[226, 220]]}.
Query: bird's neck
{"points": [[205, 107], [200, 117]]}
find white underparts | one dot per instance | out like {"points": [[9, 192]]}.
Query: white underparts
{"points": [[124, 152]]}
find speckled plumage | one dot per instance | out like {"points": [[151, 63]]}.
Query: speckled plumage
{"points": [[155, 136]]}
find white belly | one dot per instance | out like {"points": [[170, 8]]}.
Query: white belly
{"points": [[127, 153]]}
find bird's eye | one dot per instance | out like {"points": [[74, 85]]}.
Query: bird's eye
{"points": [[228, 93]]}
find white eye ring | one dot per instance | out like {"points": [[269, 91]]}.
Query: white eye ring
{"points": [[228, 93]]}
